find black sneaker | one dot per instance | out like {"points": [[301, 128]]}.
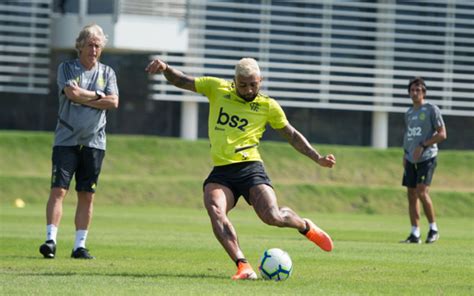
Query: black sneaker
{"points": [[81, 253], [433, 236], [48, 249], [412, 239]]}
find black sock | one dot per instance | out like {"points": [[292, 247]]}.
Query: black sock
{"points": [[306, 229], [243, 260]]}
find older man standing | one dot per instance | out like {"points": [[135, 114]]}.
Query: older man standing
{"points": [[87, 88], [238, 115]]}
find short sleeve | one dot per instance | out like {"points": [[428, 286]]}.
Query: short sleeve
{"points": [[206, 85], [65, 76], [111, 86], [437, 118], [61, 77], [276, 117]]}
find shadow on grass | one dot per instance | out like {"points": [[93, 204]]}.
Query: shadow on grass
{"points": [[107, 274], [126, 274]]}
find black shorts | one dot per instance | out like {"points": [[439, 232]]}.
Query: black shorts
{"points": [[419, 173], [239, 177], [84, 162]]}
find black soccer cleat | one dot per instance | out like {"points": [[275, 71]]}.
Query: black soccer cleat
{"points": [[48, 249], [81, 253], [412, 239], [433, 236]]}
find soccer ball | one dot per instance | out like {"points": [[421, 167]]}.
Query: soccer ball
{"points": [[276, 265]]}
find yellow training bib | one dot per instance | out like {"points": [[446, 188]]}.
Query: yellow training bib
{"points": [[235, 126]]}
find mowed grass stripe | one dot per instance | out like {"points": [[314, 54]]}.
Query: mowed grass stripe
{"points": [[156, 251], [188, 193]]}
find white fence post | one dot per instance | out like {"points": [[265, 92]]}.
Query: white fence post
{"points": [[189, 120]]}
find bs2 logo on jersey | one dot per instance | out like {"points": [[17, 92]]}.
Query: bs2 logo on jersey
{"points": [[414, 131], [231, 120]]}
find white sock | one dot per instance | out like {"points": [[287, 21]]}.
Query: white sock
{"points": [[81, 236], [434, 226], [415, 230], [51, 232]]}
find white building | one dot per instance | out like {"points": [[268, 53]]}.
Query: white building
{"points": [[331, 55]]}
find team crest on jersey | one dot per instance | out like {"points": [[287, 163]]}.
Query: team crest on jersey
{"points": [[100, 82], [422, 116], [254, 106]]}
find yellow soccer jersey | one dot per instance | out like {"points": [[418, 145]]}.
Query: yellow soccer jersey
{"points": [[235, 125]]}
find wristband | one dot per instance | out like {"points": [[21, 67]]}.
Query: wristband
{"points": [[99, 94]]}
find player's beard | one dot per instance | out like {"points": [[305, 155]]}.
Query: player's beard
{"points": [[248, 98]]}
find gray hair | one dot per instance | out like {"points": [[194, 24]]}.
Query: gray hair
{"points": [[247, 67], [88, 32]]}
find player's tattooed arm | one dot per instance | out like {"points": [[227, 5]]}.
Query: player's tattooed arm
{"points": [[179, 79], [174, 76], [301, 144]]}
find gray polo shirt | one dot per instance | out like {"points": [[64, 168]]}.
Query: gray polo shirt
{"points": [[79, 124], [421, 124]]}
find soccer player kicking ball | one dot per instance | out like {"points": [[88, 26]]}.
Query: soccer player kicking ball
{"points": [[238, 114]]}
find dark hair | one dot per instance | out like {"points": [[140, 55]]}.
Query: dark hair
{"points": [[417, 80]]}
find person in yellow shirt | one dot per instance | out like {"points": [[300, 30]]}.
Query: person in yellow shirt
{"points": [[238, 115]]}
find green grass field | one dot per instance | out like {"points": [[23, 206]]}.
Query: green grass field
{"points": [[156, 251], [151, 235]]}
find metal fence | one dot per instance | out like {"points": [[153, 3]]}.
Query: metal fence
{"points": [[349, 55], [166, 8], [24, 46]]}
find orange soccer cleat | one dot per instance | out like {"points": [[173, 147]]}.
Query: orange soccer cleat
{"points": [[244, 272], [318, 236]]}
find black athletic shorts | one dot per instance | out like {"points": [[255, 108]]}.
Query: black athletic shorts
{"points": [[239, 177], [419, 173], [84, 162]]}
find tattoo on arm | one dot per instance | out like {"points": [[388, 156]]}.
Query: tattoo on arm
{"points": [[299, 142], [179, 79]]}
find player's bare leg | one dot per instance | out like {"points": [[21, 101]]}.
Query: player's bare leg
{"points": [[54, 207], [218, 201], [54, 212], [422, 192], [414, 214], [413, 206], [84, 210], [264, 201]]}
